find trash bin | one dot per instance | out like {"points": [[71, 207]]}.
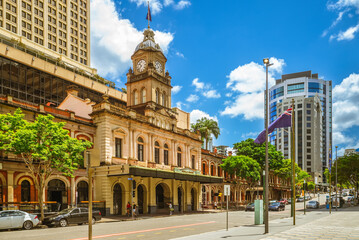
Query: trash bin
{"points": [[258, 212]]}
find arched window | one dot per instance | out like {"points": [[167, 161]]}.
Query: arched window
{"points": [[193, 162], [140, 149], [143, 95], [219, 172], [204, 168], [157, 152], [212, 170], [157, 97], [25, 191], [164, 99], [165, 154], [179, 157], [135, 95]]}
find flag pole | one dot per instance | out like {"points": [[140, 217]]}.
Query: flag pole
{"points": [[148, 18]]}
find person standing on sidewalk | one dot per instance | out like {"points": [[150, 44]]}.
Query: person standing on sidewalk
{"points": [[128, 207]]}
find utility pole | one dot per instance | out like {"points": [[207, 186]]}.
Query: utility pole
{"points": [[293, 159], [330, 180], [89, 172], [304, 187]]}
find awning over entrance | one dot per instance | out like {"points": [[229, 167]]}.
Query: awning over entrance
{"points": [[158, 173]]}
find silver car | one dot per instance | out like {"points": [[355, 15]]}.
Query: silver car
{"points": [[313, 204], [17, 219]]}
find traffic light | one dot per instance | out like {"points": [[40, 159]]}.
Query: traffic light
{"points": [[133, 193], [216, 194], [220, 194], [134, 184]]}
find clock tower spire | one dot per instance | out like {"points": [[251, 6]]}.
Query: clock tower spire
{"points": [[148, 85]]}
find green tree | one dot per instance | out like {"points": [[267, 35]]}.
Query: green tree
{"points": [[206, 128], [244, 167], [257, 152], [44, 146]]}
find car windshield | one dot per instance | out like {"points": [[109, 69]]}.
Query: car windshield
{"points": [[67, 210], [275, 204], [251, 204], [312, 202]]}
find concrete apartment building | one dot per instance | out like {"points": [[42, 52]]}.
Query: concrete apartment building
{"points": [[313, 104], [58, 28]]}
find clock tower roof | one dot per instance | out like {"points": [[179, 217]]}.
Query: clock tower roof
{"points": [[148, 42]]}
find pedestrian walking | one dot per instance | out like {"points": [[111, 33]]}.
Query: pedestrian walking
{"points": [[171, 208], [134, 210], [128, 207], [215, 205]]}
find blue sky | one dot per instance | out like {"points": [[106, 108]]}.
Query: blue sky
{"points": [[215, 51]]}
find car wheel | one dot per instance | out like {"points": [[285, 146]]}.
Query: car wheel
{"points": [[27, 225], [63, 223], [93, 221], [80, 223]]}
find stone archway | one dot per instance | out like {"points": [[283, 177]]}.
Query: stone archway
{"points": [[180, 199], [163, 197], [117, 199], [141, 199], [56, 192]]}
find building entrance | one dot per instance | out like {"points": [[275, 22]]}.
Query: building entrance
{"points": [[180, 199], [140, 199], [56, 191], [160, 199], [192, 199], [117, 199]]}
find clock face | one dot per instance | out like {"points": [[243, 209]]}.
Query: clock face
{"points": [[141, 65], [158, 67]]}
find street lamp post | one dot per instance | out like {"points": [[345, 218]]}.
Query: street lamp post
{"points": [[336, 178], [266, 225], [89, 172]]}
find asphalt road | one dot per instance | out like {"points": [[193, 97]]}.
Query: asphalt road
{"points": [[152, 228]]}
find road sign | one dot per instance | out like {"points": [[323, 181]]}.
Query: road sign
{"points": [[227, 190]]}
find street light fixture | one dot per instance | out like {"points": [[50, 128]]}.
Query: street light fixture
{"points": [[89, 175], [266, 195], [336, 178]]}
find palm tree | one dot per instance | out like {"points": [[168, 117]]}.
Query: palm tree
{"points": [[206, 128]]}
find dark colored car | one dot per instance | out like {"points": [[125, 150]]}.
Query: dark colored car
{"points": [[277, 206], [250, 207], [71, 216]]}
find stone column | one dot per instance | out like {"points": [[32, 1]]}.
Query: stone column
{"points": [[73, 191], [10, 185]]}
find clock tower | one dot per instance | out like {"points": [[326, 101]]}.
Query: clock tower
{"points": [[148, 85]]}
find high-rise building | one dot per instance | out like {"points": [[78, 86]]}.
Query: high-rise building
{"points": [[59, 28], [313, 118]]}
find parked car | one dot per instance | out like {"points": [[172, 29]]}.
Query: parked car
{"points": [[71, 216], [308, 197], [312, 204], [276, 206], [300, 199], [283, 200], [289, 200], [273, 201], [249, 207], [17, 219]]}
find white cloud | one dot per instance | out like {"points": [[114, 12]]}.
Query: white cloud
{"points": [[199, 85], [155, 5], [182, 4], [345, 104], [113, 39], [211, 94], [176, 89], [179, 105], [192, 98], [249, 135], [198, 114], [229, 94], [179, 54], [349, 34], [251, 105], [343, 7], [249, 81]]}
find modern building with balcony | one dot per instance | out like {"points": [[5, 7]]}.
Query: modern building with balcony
{"points": [[313, 119]]}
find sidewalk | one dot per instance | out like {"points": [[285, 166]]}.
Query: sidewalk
{"points": [[343, 224]]}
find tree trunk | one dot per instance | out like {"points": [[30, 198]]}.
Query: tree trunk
{"points": [[206, 143], [252, 193], [41, 202]]}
